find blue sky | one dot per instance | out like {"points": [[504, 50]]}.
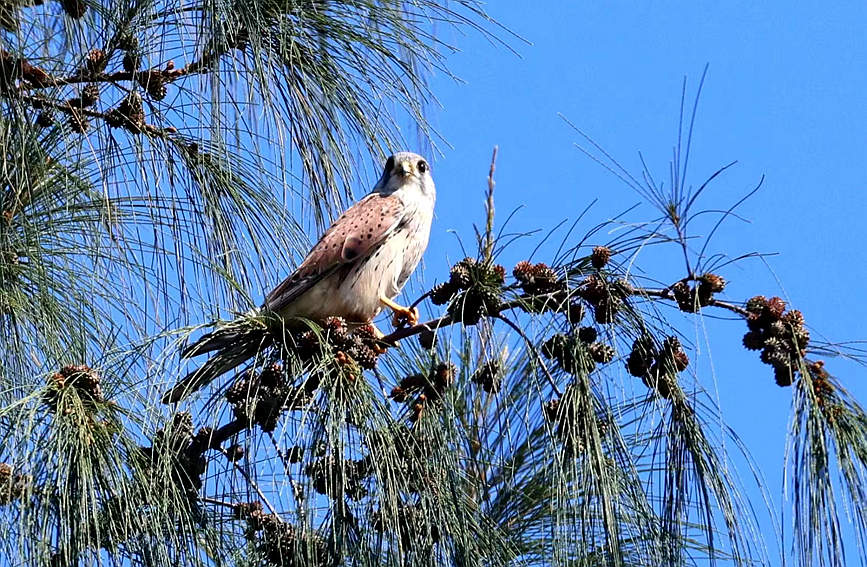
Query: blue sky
{"points": [[784, 96]]}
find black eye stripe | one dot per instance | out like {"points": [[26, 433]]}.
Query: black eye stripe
{"points": [[389, 165]]}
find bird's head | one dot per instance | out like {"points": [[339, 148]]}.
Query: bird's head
{"points": [[406, 171]]}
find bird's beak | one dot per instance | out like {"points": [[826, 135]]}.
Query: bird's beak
{"points": [[404, 168]]}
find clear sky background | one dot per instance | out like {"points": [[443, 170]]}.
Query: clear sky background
{"points": [[785, 96]]}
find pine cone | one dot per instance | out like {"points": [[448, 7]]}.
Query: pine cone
{"points": [[775, 307], [398, 394], [426, 339], [489, 376], [783, 376], [365, 357], [272, 376], [685, 297], [442, 293], [754, 340], [235, 453], [641, 357], [593, 289], [496, 273], [600, 257], [607, 309], [95, 61], [801, 337], [413, 381], [154, 83], [536, 279], [491, 299], [712, 283], [681, 360], [659, 382], [794, 318], [523, 271], [575, 312], [131, 61], [336, 330], [45, 119], [460, 276], [756, 305], [776, 328], [129, 114], [469, 311], [127, 42], [601, 353], [587, 334], [442, 377], [775, 357], [554, 346], [89, 94], [78, 123]]}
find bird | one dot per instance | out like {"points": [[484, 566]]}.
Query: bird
{"points": [[357, 268]]}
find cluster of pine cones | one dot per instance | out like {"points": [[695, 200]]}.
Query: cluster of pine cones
{"points": [[413, 527], [12, 485], [474, 290], [779, 334], [335, 478], [657, 367], [690, 298], [79, 380], [176, 454], [577, 352], [489, 375], [261, 396], [428, 388], [129, 112], [280, 542]]}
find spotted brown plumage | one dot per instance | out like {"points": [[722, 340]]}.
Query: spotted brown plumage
{"points": [[355, 269]]}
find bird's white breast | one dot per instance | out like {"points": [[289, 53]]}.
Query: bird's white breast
{"points": [[355, 290]]}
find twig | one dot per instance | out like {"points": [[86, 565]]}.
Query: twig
{"points": [[80, 77], [250, 481], [296, 487], [224, 432], [169, 74], [532, 348], [71, 110], [666, 294], [218, 502], [489, 209], [447, 320]]}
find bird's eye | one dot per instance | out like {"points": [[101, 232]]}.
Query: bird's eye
{"points": [[422, 166], [389, 165]]}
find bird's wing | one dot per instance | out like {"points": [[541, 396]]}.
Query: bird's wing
{"points": [[354, 235]]}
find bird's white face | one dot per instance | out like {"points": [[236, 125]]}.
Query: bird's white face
{"points": [[407, 172]]}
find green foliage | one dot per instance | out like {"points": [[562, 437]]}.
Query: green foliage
{"points": [[162, 162]]}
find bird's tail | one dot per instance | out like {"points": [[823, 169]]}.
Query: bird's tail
{"points": [[234, 344]]}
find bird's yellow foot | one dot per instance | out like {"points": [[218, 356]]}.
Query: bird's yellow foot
{"points": [[402, 315]]}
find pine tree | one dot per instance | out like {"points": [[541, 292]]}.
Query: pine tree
{"points": [[162, 162]]}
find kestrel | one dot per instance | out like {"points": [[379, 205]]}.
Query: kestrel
{"points": [[358, 267]]}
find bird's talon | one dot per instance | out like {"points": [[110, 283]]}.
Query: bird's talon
{"points": [[406, 316]]}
